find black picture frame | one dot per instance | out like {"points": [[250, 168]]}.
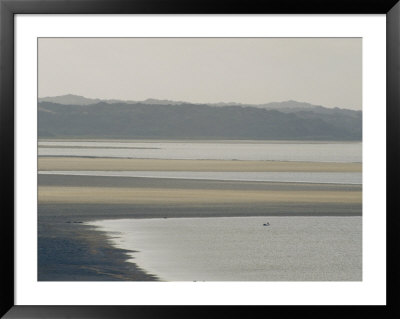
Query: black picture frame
{"points": [[9, 8]]}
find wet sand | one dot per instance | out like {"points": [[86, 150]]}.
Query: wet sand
{"points": [[108, 190], [127, 164], [143, 182], [119, 195]]}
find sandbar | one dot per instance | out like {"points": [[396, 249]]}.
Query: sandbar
{"points": [[119, 195], [128, 164]]}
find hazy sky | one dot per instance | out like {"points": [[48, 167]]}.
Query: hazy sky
{"points": [[323, 71]]}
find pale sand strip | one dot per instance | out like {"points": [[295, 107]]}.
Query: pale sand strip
{"points": [[194, 141], [125, 164], [114, 195]]}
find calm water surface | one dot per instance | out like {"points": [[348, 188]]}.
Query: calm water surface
{"points": [[274, 151], [241, 248]]}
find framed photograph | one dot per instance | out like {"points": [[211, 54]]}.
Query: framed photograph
{"points": [[159, 155]]}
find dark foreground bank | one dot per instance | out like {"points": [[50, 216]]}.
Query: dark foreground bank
{"points": [[71, 251]]}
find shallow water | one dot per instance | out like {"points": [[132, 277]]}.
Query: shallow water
{"points": [[294, 177], [241, 248], [268, 151]]}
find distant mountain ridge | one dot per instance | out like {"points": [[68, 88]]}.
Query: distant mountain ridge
{"points": [[286, 106], [159, 119], [71, 99]]}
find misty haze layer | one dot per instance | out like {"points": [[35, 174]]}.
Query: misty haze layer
{"points": [[325, 71]]}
